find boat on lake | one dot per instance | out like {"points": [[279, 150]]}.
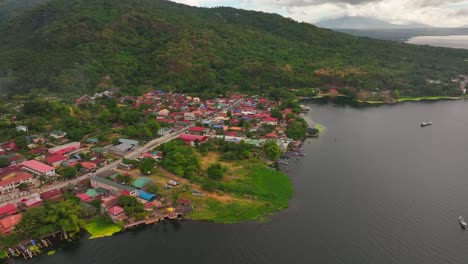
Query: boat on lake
{"points": [[462, 222], [425, 124]]}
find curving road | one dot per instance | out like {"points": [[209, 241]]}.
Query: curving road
{"points": [[132, 155]]}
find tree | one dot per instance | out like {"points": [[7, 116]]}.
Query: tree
{"points": [[276, 114], [69, 172], [4, 162], [146, 165], [229, 113], [215, 171], [131, 206], [297, 129], [23, 187], [272, 150], [21, 142], [124, 179], [152, 188]]}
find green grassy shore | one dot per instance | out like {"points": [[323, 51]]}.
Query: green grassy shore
{"points": [[101, 227]]}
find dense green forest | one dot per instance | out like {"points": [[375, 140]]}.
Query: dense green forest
{"points": [[80, 46]]}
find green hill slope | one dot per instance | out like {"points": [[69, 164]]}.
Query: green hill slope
{"points": [[72, 46]]}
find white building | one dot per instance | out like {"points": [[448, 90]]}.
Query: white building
{"points": [[38, 168], [189, 116], [7, 186], [165, 131]]}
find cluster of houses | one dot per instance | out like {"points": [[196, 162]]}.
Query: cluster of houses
{"points": [[230, 124], [11, 214], [105, 188], [21, 171], [234, 119]]}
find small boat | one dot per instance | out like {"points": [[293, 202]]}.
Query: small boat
{"points": [[462, 222], [426, 124]]}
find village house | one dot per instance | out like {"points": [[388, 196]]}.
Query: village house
{"points": [[189, 116], [8, 223], [22, 128], [8, 209], [163, 112], [32, 203], [165, 131], [198, 130], [117, 213], [38, 168], [84, 197], [271, 121], [58, 134], [65, 149], [121, 149], [87, 166], [113, 187], [11, 184], [52, 195], [55, 160], [192, 139]]}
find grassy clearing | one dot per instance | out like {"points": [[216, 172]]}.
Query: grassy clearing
{"points": [[254, 193], [102, 227], [408, 98]]}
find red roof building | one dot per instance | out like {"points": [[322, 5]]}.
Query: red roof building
{"points": [[56, 160], [116, 210], [191, 139], [84, 197], [38, 168], [271, 135], [33, 202], [64, 149], [197, 129], [88, 165], [8, 209], [52, 195], [7, 224]]}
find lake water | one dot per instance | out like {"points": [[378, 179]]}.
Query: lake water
{"points": [[459, 42], [376, 188]]}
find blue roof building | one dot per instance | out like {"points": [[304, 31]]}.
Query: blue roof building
{"points": [[145, 196]]}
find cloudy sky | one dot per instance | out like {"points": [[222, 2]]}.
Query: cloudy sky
{"points": [[441, 13]]}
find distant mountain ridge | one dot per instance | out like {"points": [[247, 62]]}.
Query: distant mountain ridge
{"points": [[359, 22], [79, 46], [12, 8]]}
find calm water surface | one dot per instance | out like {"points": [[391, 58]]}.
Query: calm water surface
{"points": [[459, 41], [386, 191]]}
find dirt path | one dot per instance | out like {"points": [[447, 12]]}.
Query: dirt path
{"points": [[226, 198]]}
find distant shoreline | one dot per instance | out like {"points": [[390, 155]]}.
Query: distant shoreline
{"points": [[450, 41], [400, 100]]}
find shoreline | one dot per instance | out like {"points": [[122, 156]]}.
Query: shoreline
{"points": [[400, 100]]}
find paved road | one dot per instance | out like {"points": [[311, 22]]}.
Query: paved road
{"points": [[134, 154]]}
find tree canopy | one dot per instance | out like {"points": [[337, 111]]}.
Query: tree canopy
{"points": [[79, 46]]}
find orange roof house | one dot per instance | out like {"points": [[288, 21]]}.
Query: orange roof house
{"points": [[7, 224]]}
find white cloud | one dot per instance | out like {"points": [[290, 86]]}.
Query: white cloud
{"points": [[443, 13]]}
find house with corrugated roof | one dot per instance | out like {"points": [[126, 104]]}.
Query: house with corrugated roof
{"points": [[113, 187]]}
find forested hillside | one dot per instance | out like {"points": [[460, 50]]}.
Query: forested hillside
{"points": [[84, 45]]}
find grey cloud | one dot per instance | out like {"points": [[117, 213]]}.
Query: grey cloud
{"points": [[304, 3]]}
